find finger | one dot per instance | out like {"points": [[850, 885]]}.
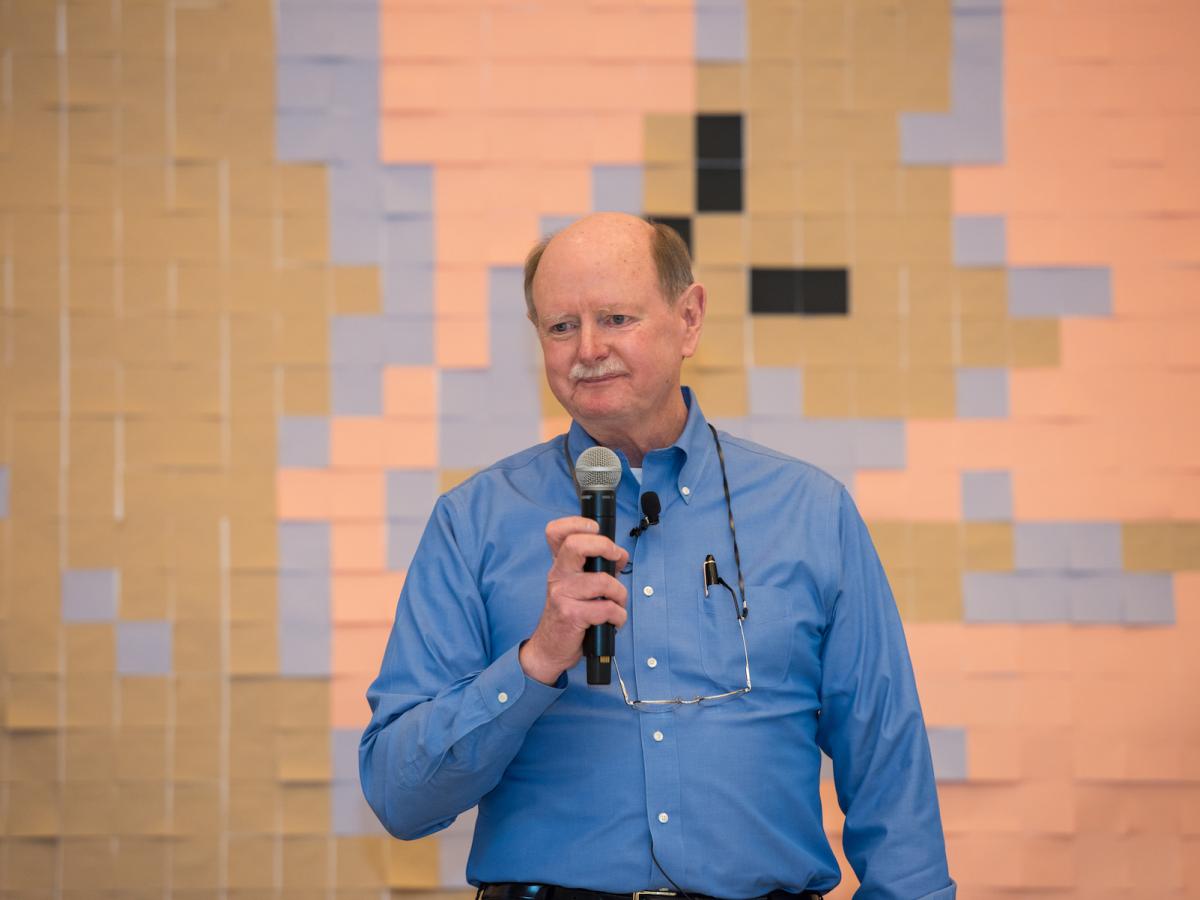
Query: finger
{"points": [[575, 548], [588, 587], [557, 530], [603, 613]]}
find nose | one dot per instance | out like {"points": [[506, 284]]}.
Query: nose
{"points": [[592, 345]]}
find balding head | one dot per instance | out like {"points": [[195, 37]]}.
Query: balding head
{"points": [[614, 239]]}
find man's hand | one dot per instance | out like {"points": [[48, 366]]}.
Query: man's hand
{"points": [[575, 599]]}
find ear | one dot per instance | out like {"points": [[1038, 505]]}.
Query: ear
{"points": [[690, 307]]}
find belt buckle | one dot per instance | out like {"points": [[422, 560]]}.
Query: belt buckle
{"points": [[638, 895]]}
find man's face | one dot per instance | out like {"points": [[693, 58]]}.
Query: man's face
{"points": [[612, 345]]}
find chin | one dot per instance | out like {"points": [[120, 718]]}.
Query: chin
{"points": [[598, 401]]}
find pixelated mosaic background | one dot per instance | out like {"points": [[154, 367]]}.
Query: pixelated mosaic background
{"points": [[261, 302]]}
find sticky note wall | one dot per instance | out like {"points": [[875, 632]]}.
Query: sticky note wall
{"points": [[260, 303]]}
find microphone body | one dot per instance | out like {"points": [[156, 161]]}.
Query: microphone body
{"points": [[599, 641]]}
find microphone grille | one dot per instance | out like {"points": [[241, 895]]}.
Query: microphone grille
{"points": [[598, 467]]}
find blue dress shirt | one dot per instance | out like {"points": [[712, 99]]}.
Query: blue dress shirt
{"points": [[572, 784]]}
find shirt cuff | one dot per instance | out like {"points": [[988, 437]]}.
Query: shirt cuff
{"points": [[515, 699]]}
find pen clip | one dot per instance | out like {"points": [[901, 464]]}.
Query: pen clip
{"points": [[710, 573]]}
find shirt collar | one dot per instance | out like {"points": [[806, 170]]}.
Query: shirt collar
{"points": [[695, 444]]}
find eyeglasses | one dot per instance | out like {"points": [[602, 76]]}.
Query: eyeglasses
{"points": [[739, 611]]}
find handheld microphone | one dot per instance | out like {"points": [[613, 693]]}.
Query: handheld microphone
{"points": [[598, 472]]}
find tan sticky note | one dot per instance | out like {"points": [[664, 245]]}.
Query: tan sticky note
{"points": [[893, 543], [253, 807], [669, 139], [91, 754], [305, 238], [669, 189], [983, 342], [1035, 342], [306, 862], [356, 290], [772, 87], [305, 808], [255, 538], [726, 287], [197, 594], [197, 753], [413, 865], [304, 336], [251, 861], [820, 188], [878, 342], [32, 756], [828, 391], [938, 596], [773, 135], [879, 393], [197, 807], [302, 187], [89, 807], [988, 546], [724, 391], [774, 31], [936, 544], [92, 543], [252, 596], [303, 755], [144, 701], [720, 238], [253, 648], [930, 342], [361, 861], [32, 647], [33, 809], [141, 807], [825, 240], [31, 863], [931, 392], [88, 863], [144, 592], [90, 701], [774, 240], [720, 87], [142, 754], [195, 861], [723, 346], [303, 703]]}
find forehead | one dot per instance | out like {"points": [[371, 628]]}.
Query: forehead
{"points": [[599, 268]]}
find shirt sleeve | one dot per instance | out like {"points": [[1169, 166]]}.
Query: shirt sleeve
{"points": [[872, 728], [446, 719]]}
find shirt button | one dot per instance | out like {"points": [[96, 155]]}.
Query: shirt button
{"points": [[648, 591], [658, 735], [686, 491], [663, 817], [652, 662], [502, 697]]}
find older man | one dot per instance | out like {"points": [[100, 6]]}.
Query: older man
{"points": [[698, 770]]}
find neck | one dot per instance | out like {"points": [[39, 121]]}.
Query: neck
{"points": [[636, 439]]}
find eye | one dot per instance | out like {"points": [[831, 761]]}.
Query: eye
{"points": [[560, 327], [619, 319]]}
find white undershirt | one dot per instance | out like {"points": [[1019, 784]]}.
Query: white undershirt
{"points": [[637, 473]]}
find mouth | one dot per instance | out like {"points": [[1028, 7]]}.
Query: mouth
{"points": [[602, 379]]}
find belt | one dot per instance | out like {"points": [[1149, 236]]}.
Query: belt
{"points": [[510, 891]]}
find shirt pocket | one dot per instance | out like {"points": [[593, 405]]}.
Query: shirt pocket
{"points": [[769, 628]]}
